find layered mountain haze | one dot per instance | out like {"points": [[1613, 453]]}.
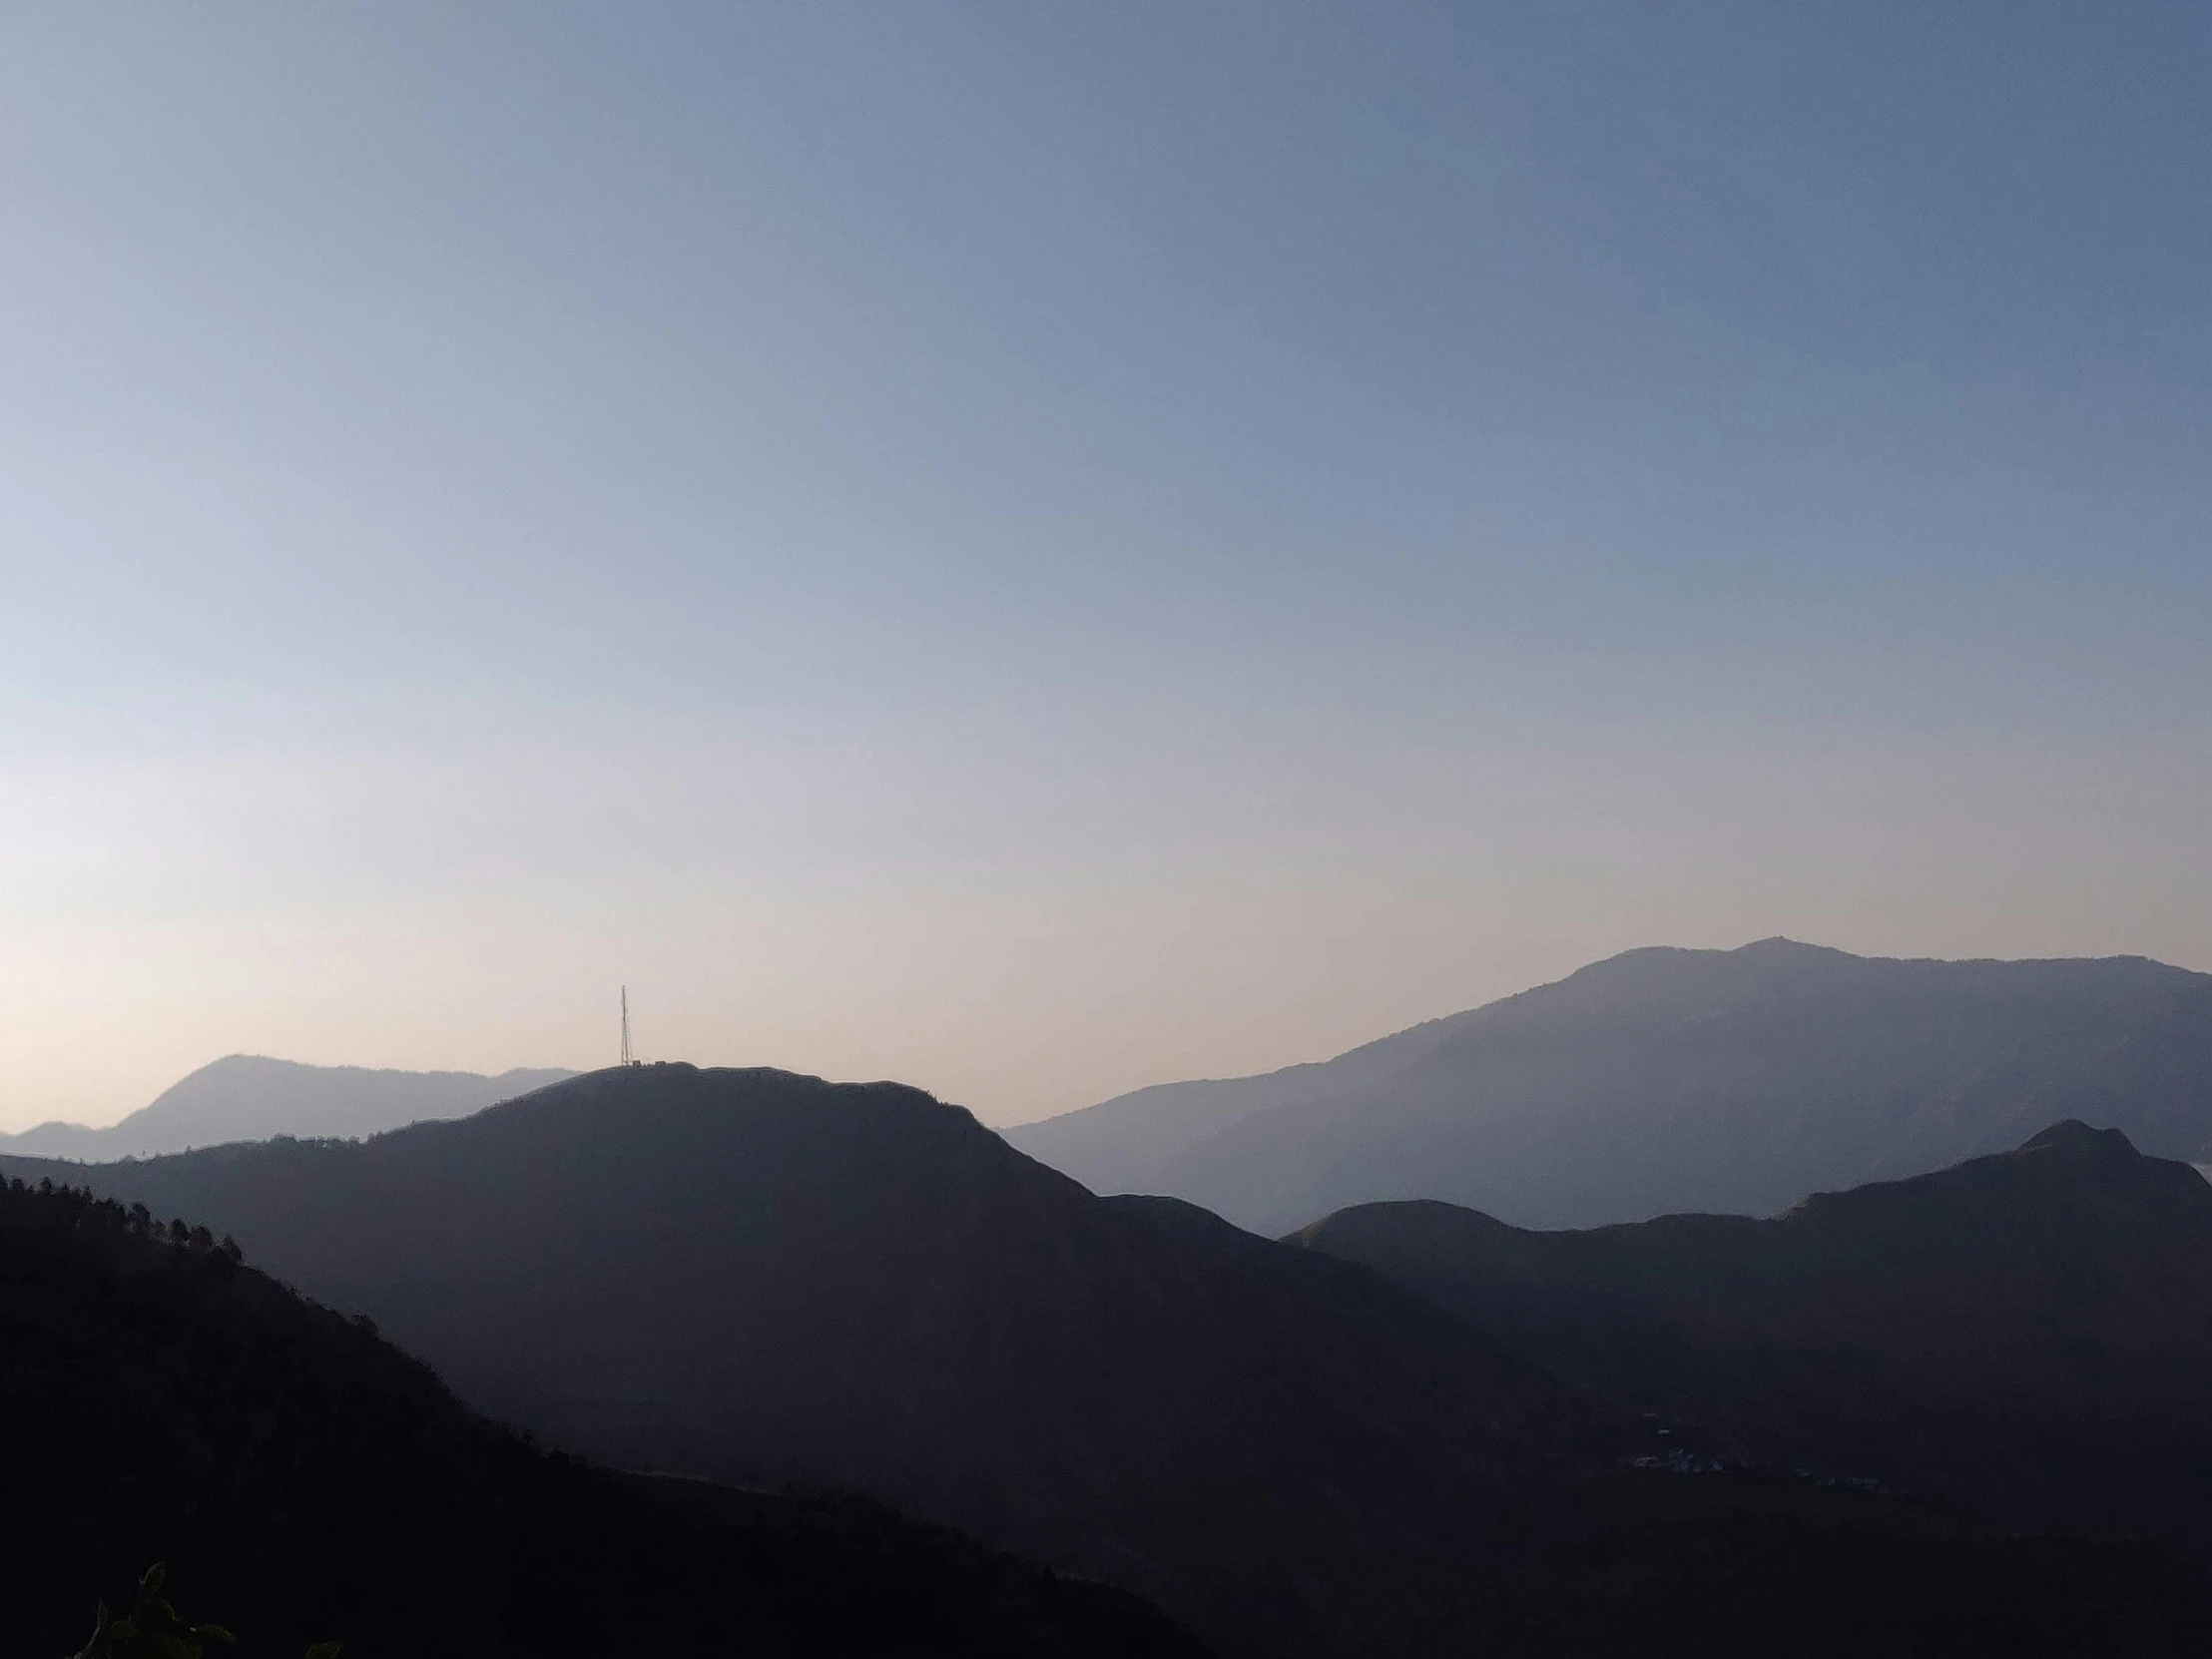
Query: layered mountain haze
{"points": [[2027, 1335], [1669, 1080], [248, 1097], [767, 1278]]}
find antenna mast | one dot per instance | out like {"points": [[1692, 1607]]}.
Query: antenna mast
{"points": [[626, 1060]]}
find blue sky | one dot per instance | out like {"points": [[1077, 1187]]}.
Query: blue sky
{"points": [[1040, 549]]}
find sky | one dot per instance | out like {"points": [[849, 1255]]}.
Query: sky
{"points": [[1036, 550]]}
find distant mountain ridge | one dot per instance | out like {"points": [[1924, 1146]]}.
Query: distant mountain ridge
{"points": [[250, 1097], [2028, 1334], [1667, 1080]]}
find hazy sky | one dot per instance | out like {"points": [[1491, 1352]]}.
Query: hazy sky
{"points": [[1039, 549]]}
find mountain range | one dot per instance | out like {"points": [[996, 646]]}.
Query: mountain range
{"points": [[763, 1278], [1667, 1080], [248, 1097]]}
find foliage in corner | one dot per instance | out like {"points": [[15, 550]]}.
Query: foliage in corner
{"points": [[151, 1629]]}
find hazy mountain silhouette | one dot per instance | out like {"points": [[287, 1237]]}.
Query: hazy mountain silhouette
{"points": [[248, 1097], [767, 1278], [2027, 1335], [305, 1482], [1667, 1080]]}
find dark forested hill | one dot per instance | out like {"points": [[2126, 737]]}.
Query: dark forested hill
{"points": [[248, 1097], [1673, 1080], [2027, 1335], [305, 1480], [767, 1278]]}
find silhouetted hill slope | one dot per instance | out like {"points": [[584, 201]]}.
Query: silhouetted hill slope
{"points": [[247, 1098], [305, 1480], [767, 1278], [1671, 1080], [2027, 1335]]}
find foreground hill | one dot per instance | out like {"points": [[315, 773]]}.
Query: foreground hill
{"points": [[1672, 1080], [306, 1481], [248, 1097], [767, 1278], [2026, 1336]]}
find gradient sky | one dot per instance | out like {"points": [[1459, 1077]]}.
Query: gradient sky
{"points": [[1039, 549]]}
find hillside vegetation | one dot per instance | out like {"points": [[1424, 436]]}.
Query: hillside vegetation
{"points": [[305, 1481]]}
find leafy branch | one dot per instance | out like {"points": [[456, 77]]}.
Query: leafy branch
{"points": [[150, 1629]]}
